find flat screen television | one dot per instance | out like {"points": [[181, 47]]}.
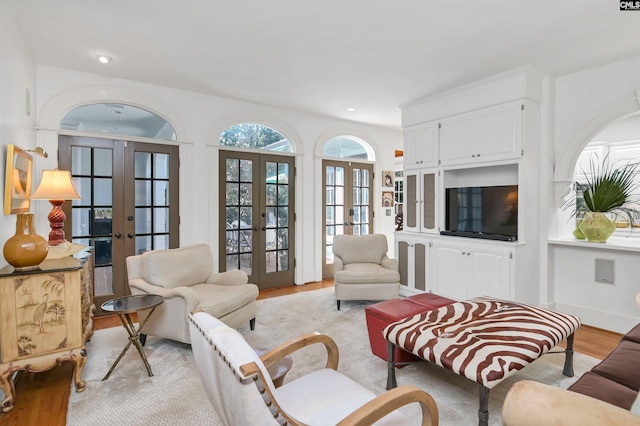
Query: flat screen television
{"points": [[489, 212]]}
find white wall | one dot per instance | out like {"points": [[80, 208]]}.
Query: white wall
{"points": [[17, 75], [585, 103], [199, 120]]}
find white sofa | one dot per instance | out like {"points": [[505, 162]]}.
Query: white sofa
{"points": [[185, 278], [531, 403], [362, 270]]}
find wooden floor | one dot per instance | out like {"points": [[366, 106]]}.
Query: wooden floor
{"points": [[41, 398]]}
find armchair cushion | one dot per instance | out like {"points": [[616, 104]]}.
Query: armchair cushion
{"points": [[219, 300], [365, 273], [180, 267]]}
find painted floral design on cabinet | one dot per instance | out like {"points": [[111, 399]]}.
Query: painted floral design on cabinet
{"points": [[40, 314]]}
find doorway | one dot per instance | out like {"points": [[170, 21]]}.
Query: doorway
{"points": [[129, 204], [347, 201], [257, 216]]}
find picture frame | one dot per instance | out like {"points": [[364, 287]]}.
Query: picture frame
{"points": [[387, 178], [387, 198], [17, 182]]}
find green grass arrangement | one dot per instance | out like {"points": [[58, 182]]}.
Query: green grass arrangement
{"points": [[609, 188]]}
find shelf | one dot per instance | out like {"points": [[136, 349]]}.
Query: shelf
{"points": [[613, 243]]}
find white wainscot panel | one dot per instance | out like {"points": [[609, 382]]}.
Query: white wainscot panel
{"points": [[610, 306]]}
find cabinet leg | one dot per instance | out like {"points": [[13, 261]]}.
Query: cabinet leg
{"points": [[78, 367], [6, 384]]}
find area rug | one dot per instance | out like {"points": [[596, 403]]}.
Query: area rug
{"points": [[174, 395]]}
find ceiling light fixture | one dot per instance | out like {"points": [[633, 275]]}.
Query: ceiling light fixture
{"points": [[350, 109], [104, 59]]}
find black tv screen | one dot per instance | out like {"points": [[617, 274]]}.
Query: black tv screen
{"points": [[483, 212]]}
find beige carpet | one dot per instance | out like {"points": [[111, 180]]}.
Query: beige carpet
{"points": [[174, 396]]}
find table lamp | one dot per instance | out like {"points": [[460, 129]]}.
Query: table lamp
{"points": [[56, 186]]}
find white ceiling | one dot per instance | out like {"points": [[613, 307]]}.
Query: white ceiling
{"points": [[322, 56]]}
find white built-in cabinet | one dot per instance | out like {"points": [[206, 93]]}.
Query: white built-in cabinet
{"points": [[488, 134], [413, 263], [491, 145], [421, 146], [462, 270], [420, 194]]}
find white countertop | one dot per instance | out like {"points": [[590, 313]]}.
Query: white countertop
{"points": [[613, 243]]}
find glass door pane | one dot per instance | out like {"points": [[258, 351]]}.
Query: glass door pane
{"points": [[239, 214], [92, 215], [347, 204]]}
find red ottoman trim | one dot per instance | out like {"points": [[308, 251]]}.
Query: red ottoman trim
{"points": [[429, 300], [382, 314]]}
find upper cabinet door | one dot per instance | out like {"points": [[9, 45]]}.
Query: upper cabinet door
{"points": [[421, 146], [499, 132], [457, 139], [488, 134]]}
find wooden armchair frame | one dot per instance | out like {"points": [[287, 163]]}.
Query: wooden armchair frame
{"points": [[368, 413]]}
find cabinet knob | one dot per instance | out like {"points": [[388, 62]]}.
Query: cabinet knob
{"points": [[463, 253], [478, 155], [468, 253], [473, 156]]}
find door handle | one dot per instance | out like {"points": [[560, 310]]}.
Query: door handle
{"points": [[118, 235], [130, 235]]}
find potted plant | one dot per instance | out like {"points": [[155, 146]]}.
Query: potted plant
{"points": [[610, 189]]}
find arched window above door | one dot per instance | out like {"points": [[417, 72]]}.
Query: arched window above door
{"points": [[118, 119], [255, 136], [346, 147]]}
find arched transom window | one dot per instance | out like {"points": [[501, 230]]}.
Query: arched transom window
{"points": [[255, 136], [118, 119], [346, 147]]}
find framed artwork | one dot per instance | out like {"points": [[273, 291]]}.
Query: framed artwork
{"points": [[387, 178], [17, 181], [387, 198]]}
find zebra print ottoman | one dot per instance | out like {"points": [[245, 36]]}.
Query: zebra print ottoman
{"points": [[483, 339]]}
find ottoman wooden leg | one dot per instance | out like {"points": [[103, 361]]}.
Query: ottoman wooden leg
{"points": [[483, 411], [568, 358], [391, 366]]}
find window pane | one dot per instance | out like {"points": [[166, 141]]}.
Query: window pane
{"points": [[118, 119], [161, 220], [246, 170], [283, 173], [80, 221], [143, 192], [161, 166], [161, 193], [103, 192], [255, 136], [160, 242], [83, 185], [143, 244], [102, 161], [142, 165], [143, 220], [246, 195], [344, 147], [283, 195], [233, 190], [233, 170], [331, 176], [81, 164]]}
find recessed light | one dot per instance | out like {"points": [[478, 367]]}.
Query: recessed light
{"points": [[350, 109], [104, 59]]}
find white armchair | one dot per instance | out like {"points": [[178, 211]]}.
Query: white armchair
{"points": [[242, 393], [362, 270], [184, 277]]}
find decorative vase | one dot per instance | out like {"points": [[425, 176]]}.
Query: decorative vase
{"points": [[26, 249], [577, 233], [597, 227]]}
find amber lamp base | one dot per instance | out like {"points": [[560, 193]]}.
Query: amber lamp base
{"points": [[26, 249]]}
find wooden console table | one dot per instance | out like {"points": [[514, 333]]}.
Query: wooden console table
{"points": [[46, 319]]}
